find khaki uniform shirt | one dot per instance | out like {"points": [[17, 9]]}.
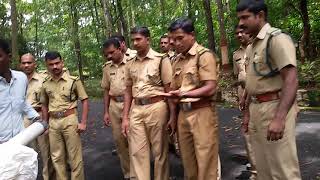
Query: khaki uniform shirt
{"points": [[131, 53], [143, 74], [188, 74], [113, 78], [282, 53], [239, 68], [34, 89], [63, 93]]}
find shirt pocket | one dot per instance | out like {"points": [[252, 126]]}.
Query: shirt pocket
{"points": [[18, 105], [177, 77], [259, 65], [192, 76], [153, 75], [37, 96]]}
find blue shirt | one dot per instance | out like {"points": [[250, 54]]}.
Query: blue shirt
{"points": [[13, 105]]}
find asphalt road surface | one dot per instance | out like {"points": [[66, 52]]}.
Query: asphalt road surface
{"points": [[100, 164]]}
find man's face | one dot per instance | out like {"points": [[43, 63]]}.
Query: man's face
{"points": [[164, 45], [242, 37], [55, 66], [4, 61], [27, 64], [249, 21], [182, 41], [113, 54], [140, 42]]}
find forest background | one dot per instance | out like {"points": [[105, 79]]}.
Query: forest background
{"points": [[77, 29]]}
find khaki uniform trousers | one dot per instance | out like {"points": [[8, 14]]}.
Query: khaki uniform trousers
{"points": [[148, 131], [248, 144], [115, 111], [65, 147], [275, 160], [198, 139], [42, 144]]}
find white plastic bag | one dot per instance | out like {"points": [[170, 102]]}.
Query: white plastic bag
{"points": [[18, 162]]}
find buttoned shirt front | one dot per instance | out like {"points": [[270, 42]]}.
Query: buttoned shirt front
{"points": [[63, 93], [113, 78], [192, 69], [239, 61], [148, 74], [34, 89], [13, 105]]}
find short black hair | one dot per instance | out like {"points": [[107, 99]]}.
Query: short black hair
{"points": [[119, 37], [51, 55], [144, 31], [164, 36], [5, 46], [254, 6], [185, 24], [111, 41]]}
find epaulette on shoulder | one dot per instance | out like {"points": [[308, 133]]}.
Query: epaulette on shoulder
{"points": [[274, 31], [106, 63], [203, 50], [130, 59], [74, 77], [46, 78]]}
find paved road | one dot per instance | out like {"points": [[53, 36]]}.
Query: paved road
{"points": [[100, 164]]}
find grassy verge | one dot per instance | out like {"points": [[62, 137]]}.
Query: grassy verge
{"points": [[94, 89]]}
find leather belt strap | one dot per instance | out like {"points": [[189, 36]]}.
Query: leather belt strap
{"points": [[117, 98], [189, 106], [38, 109], [265, 97], [146, 101], [62, 114]]}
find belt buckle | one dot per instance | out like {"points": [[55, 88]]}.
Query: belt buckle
{"points": [[119, 98], [186, 106], [144, 101], [59, 114], [254, 100]]}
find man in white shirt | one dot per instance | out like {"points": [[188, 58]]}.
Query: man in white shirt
{"points": [[13, 104]]}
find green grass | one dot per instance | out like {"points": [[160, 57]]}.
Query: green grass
{"points": [[93, 88]]}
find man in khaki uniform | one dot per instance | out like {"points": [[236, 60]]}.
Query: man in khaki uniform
{"points": [[240, 71], [113, 83], [28, 66], [59, 96], [124, 48], [271, 85], [148, 75], [194, 84]]}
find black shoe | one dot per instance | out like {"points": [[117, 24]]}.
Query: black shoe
{"points": [[114, 152]]}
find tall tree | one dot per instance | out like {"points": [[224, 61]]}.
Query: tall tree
{"points": [[305, 39], [75, 34], [109, 23], [14, 29], [210, 30], [123, 21], [223, 36]]}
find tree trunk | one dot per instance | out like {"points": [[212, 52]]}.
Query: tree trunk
{"points": [[123, 21], [305, 40], [210, 31], [109, 24], [162, 9], [224, 42], [75, 34], [94, 20], [14, 36]]}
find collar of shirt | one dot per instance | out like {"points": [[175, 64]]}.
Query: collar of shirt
{"points": [[124, 61], [192, 51], [63, 77], [150, 55], [35, 76], [263, 31], [13, 77]]}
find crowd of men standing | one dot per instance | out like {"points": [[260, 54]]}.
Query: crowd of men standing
{"points": [[152, 98]]}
